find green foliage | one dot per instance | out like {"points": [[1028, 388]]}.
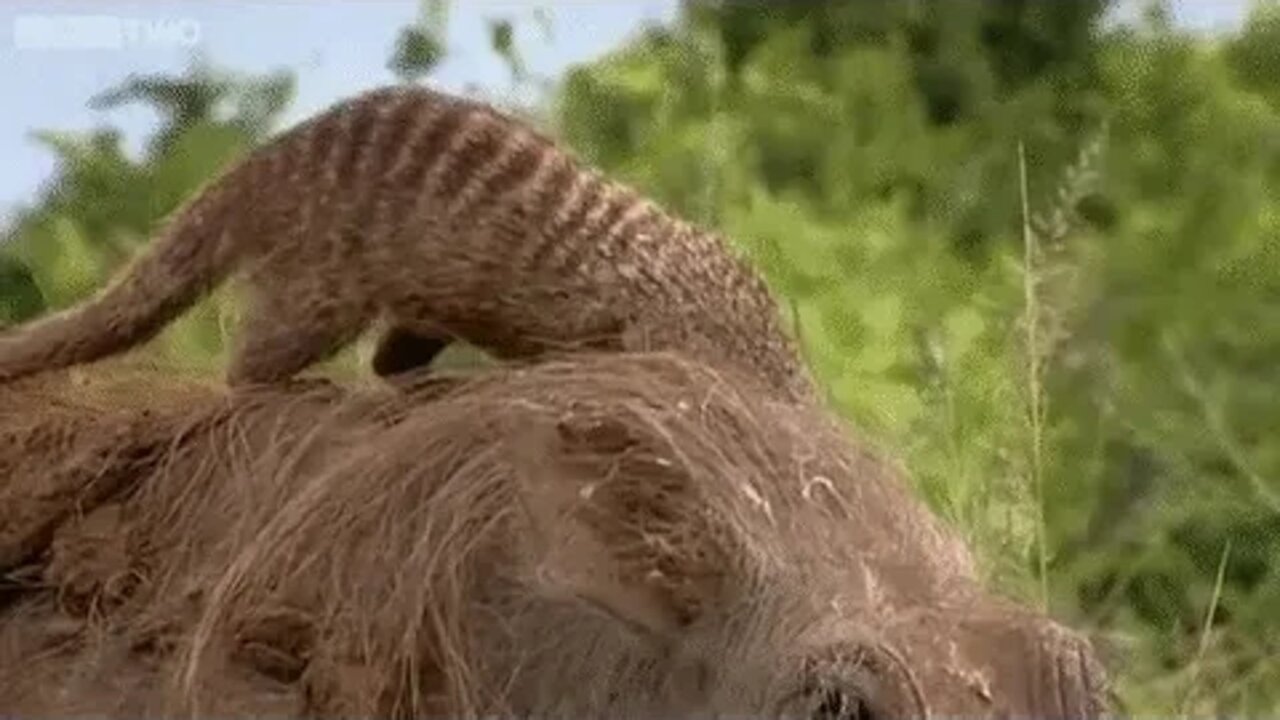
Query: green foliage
{"points": [[415, 54], [201, 95], [865, 155], [502, 40], [20, 298], [102, 205], [420, 47]]}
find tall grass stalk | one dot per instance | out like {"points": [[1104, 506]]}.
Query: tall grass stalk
{"points": [[1205, 636], [1035, 387]]}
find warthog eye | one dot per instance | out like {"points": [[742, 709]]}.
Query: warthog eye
{"points": [[828, 703], [853, 682], [838, 705]]}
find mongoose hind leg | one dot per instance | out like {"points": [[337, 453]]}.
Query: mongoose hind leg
{"points": [[278, 339], [401, 350]]}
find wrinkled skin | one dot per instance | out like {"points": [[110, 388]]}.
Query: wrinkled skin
{"points": [[950, 665]]}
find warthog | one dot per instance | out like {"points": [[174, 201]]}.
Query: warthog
{"points": [[600, 536]]}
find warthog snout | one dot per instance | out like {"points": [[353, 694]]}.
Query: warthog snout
{"points": [[1000, 665]]}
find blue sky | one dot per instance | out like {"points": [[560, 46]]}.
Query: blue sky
{"points": [[335, 48]]}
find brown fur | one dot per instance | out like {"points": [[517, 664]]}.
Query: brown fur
{"points": [[603, 536], [445, 218]]}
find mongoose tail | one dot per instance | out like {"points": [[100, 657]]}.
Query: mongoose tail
{"points": [[137, 304]]}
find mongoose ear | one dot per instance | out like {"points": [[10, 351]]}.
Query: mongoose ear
{"points": [[587, 542]]}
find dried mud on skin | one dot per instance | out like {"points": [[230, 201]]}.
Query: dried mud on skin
{"points": [[170, 549], [86, 625], [65, 446]]}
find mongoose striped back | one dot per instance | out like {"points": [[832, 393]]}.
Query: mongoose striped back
{"points": [[448, 220]]}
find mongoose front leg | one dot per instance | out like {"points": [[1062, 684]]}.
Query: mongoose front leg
{"points": [[401, 350]]}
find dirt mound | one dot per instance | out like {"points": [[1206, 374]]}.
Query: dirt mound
{"points": [[622, 535]]}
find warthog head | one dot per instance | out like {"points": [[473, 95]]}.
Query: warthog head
{"points": [[683, 547], [616, 536]]}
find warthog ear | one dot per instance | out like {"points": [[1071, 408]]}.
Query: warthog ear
{"points": [[606, 524]]}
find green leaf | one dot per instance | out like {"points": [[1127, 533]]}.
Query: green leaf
{"points": [[20, 296], [416, 53], [962, 326]]}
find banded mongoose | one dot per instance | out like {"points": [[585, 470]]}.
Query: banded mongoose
{"points": [[450, 220]]}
